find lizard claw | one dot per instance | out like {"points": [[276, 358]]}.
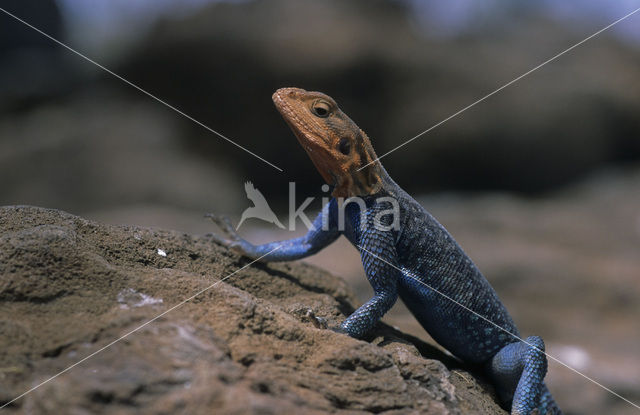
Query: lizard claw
{"points": [[220, 240], [225, 225], [318, 322], [223, 222]]}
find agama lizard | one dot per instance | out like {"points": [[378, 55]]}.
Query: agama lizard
{"points": [[416, 260]]}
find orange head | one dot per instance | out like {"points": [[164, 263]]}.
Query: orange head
{"points": [[335, 144]]}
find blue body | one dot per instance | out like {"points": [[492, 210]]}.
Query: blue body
{"points": [[413, 261]]}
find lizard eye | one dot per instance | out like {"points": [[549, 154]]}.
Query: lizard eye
{"points": [[320, 109], [344, 146]]}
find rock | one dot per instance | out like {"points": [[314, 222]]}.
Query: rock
{"points": [[147, 333], [125, 155]]}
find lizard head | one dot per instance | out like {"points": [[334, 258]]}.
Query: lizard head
{"points": [[335, 144]]}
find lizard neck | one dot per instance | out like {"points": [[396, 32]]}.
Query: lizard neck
{"points": [[387, 187], [370, 181]]}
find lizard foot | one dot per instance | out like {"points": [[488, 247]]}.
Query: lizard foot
{"points": [[234, 241], [318, 322], [224, 223], [338, 329]]}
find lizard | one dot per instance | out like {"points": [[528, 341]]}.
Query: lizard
{"points": [[417, 259]]}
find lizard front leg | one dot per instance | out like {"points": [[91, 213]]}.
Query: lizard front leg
{"points": [[314, 240], [383, 277]]}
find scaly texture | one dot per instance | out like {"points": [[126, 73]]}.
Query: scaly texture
{"points": [[416, 260]]}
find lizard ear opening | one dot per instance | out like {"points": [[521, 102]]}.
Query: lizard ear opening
{"points": [[344, 146]]}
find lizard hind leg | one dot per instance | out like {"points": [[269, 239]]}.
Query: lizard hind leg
{"points": [[518, 371]]}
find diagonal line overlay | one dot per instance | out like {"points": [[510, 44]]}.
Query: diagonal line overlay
{"points": [[136, 329], [166, 104], [501, 88]]}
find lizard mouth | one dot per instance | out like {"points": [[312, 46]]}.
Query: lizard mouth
{"points": [[309, 140], [315, 136], [308, 136], [278, 100], [289, 115], [299, 126]]}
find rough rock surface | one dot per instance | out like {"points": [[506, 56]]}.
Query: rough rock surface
{"points": [[69, 287]]}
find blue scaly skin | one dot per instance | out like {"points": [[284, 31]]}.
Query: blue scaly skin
{"points": [[406, 253]]}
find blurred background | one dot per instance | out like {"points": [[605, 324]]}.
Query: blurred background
{"points": [[540, 183]]}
